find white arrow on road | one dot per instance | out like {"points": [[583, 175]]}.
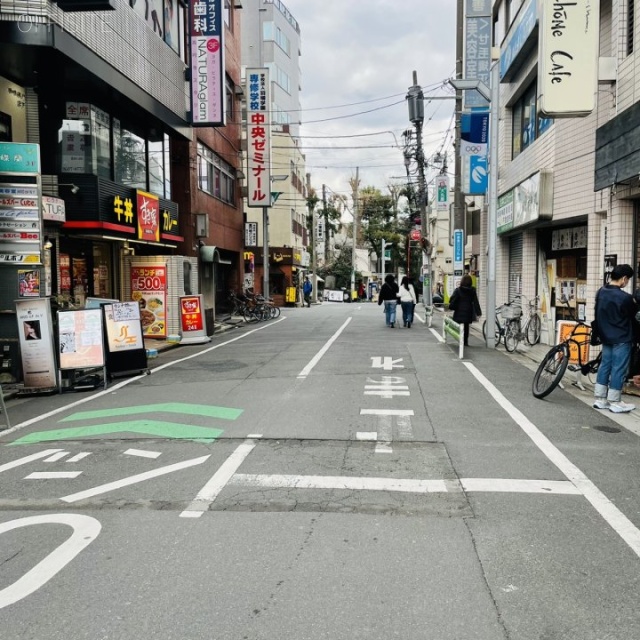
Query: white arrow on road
{"points": [[387, 363]]}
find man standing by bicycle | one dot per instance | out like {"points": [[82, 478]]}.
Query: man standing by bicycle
{"points": [[615, 315]]}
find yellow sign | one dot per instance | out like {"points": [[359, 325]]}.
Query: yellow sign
{"points": [[581, 337], [290, 294]]}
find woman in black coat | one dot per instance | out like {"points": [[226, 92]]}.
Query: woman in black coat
{"points": [[465, 305]]}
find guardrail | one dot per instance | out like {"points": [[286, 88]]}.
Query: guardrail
{"points": [[455, 330]]}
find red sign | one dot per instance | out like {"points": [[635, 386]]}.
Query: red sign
{"points": [[191, 314], [148, 217], [415, 234]]}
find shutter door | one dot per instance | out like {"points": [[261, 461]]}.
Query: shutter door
{"points": [[515, 265]]}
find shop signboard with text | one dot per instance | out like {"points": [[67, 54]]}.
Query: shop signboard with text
{"points": [[192, 320], [148, 217], [258, 138], [35, 335], [149, 290]]}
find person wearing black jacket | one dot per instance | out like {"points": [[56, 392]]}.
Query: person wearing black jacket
{"points": [[389, 293], [615, 315], [465, 305]]}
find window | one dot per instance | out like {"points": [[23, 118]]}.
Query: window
{"points": [[282, 79], [215, 176], [527, 125], [228, 15], [631, 19], [130, 157], [159, 165], [230, 95], [165, 18]]}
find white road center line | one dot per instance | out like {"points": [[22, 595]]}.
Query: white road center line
{"points": [[141, 477], [314, 361], [218, 481], [57, 456], [611, 514], [386, 412], [52, 475], [141, 453]]}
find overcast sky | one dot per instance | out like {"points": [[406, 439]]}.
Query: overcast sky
{"points": [[359, 55]]}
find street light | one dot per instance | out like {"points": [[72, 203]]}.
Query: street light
{"points": [[492, 96]]}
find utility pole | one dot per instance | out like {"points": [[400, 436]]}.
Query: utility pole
{"points": [[415, 100], [355, 231], [314, 265], [459, 209], [325, 213]]}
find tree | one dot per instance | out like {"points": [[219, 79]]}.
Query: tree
{"points": [[340, 268]]}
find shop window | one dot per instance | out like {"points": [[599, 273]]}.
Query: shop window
{"points": [[130, 157], [215, 176]]}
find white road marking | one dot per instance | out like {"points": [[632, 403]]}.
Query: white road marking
{"points": [[218, 481], [387, 393], [52, 475], [611, 514], [366, 435], [519, 486], [387, 363], [57, 456], [27, 459], [403, 485], [141, 453], [405, 430], [85, 531], [385, 435], [385, 386], [277, 481], [314, 361], [141, 477], [386, 412], [79, 456]]}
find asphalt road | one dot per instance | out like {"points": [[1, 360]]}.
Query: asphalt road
{"points": [[319, 477]]}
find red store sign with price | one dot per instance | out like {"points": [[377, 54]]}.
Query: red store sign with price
{"points": [[191, 314]]}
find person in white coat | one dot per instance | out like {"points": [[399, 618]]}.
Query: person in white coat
{"points": [[407, 301]]}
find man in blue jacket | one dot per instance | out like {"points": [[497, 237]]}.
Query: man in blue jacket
{"points": [[307, 288], [615, 315]]}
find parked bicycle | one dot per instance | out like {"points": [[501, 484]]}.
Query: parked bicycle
{"points": [[570, 354], [505, 314], [516, 331]]}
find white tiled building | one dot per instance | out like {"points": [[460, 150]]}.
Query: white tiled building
{"points": [[567, 188]]}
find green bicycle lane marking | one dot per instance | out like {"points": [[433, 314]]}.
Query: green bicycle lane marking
{"points": [[163, 429]]}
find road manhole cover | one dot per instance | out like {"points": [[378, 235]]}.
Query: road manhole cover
{"points": [[608, 429]]}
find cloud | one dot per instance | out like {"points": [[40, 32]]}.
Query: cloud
{"points": [[361, 54]]}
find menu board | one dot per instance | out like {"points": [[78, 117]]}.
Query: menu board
{"points": [[36, 343], [149, 290], [80, 339], [124, 332]]}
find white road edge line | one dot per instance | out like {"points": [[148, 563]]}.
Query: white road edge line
{"points": [[128, 381], [218, 480], [610, 513], [314, 361], [386, 412], [125, 482]]}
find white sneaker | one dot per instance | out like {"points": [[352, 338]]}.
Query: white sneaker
{"points": [[601, 403], [621, 407]]}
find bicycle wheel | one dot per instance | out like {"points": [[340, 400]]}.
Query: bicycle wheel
{"points": [[512, 335], [275, 311], [251, 314], [550, 371], [498, 334], [534, 329]]}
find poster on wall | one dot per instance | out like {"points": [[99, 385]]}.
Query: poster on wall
{"points": [[149, 290], [80, 343], [610, 261], [29, 283], [35, 334]]}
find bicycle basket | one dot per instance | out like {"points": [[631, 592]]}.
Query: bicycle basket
{"points": [[511, 312]]}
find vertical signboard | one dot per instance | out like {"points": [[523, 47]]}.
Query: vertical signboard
{"points": [[458, 252], [148, 216], [442, 192], [568, 58], [258, 138], [125, 347], [477, 48], [250, 234], [206, 30], [35, 335], [192, 320], [149, 290]]}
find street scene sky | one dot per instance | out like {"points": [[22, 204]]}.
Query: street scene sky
{"points": [[357, 63]]}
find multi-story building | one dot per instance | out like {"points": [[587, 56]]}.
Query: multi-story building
{"points": [[101, 86], [271, 39], [568, 187]]}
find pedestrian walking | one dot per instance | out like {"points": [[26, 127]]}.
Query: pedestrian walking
{"points": [[615, 316], [307, 288], [407, 301], [465, 305], [389, 293]]}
